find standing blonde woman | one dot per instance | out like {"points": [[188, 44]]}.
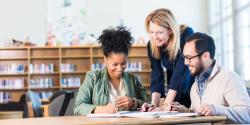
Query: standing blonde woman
{"points": [[164, 52]]}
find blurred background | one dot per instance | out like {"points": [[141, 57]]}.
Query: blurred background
{"points": [[81, 21]]}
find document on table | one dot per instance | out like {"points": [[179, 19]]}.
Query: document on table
{"points": [[179, 115], [132, 114]]}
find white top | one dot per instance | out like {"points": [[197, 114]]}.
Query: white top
{"points": [[114, 93]]}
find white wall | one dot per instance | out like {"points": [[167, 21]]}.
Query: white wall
{"points": [[102, 14], [22, 18], [190, 12]]}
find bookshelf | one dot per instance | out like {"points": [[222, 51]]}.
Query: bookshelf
{"points": [[49, 69]]}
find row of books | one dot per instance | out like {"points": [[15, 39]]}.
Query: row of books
{"points": [[97, 66], [71, 82], [49, 68], [131, 66], [44, 95], [42, 83], [17, 83], [41, 68], [12, 68], [67, 67], [5, 97], [135, 66]]}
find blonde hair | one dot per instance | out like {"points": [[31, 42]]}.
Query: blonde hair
{"points": [[165, 18]]}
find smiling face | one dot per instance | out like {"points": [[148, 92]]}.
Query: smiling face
{"points": [[195, 64], [159, 35], [116, 64]]}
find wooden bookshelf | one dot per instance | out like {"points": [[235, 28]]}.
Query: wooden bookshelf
{"points": [[81, 58]]}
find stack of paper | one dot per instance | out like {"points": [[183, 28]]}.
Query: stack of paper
{"points": [[163, 114]]}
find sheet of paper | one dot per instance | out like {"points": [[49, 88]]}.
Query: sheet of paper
{"points": [[132, 114], [179, 115]]}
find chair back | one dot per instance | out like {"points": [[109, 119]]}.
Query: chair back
{"points": [[33, 104], [62, 105]]}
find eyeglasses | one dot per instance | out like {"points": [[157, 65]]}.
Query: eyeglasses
{"points": [[190, 58]]}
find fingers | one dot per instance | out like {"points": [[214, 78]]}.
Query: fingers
{"points": [[155, 109], [206, 110], [144, 107], [124, 101], [150, 109], [110, 108], [168, 106], [175, 108]]}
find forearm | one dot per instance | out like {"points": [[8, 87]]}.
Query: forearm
{"points": [[155, 98], [83, 108], [236, 114], [170, 96]]}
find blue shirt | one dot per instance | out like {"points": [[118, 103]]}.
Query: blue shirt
{"points": [[178, 74]]}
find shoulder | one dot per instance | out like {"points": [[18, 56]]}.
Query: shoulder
{"points": [[130, 75], [188, 30], [230, 77], [95, 74]]}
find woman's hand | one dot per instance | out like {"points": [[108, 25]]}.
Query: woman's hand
{"points": [[147, 107], [124, 102], [175, 106], [107, 109]]}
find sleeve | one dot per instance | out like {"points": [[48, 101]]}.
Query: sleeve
{"points": [[157, 77], [83, 103], [238, 100], [141, 93], [178, 74]]}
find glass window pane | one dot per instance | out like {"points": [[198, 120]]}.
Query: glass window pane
{"points": [[226, 8], [246, 65], [241, 3], [214, 11]]}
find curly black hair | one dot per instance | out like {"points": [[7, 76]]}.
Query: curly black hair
{"points": [[116, 40]]}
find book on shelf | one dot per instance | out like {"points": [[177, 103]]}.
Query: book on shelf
{"points": [[67, 67], [134, 66], [5, 97], [97, 66], [12, 68], [71, 82], [41, 68], [17, 83], [42, 83]]}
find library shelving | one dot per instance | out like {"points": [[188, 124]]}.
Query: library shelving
{"points": [[49, 69]]}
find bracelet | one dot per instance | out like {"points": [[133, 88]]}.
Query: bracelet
{"points": [[135, 104]]}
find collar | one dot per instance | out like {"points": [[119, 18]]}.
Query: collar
{"points": [[205, 75], [215, 71]]}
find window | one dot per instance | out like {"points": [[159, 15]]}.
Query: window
{"points": [[229, 25]]}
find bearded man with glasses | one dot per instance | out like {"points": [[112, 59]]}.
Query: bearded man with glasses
{"points": [[217, 90]]}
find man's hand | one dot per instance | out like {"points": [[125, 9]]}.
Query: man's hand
{"points": [[206, 109]]}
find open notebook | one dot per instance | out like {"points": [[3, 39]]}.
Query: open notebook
{"points": [[141, 114]]}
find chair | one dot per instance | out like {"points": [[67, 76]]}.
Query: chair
{"points": [[62, 105], [33, 104], [56, 94]]}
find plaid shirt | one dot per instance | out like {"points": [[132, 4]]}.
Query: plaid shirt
{"points": [[201, 79]]}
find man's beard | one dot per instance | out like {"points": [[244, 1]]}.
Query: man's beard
{"points": [[198, 69]]}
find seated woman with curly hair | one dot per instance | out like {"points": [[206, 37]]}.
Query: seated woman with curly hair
{"points": [[111, 89]]}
